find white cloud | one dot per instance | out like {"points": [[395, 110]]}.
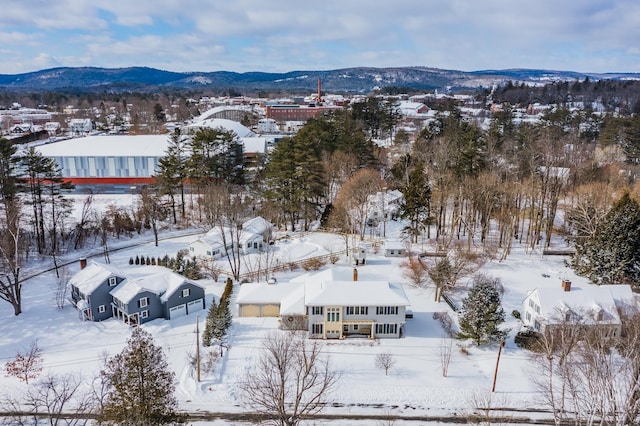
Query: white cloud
{"points": [[247, 35]]}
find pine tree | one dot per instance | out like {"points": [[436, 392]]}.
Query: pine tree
{"points": [[207, 334], [612, 255], [482, 312], [141, 386], [416, 203], [222, 320]]}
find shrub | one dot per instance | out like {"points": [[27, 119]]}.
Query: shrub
{"points": [[313, 264], [528, 339], [516, 314]]}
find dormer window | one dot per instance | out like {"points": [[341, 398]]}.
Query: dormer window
{"points": [[112, 281]]}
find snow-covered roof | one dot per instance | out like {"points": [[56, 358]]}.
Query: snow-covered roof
{"points": [[583, 299], [94, 274], [107, 146], [156, 279], [395, 245], [255, 145], [265, 293], [362, 293], [257, 225], [222, 123]]}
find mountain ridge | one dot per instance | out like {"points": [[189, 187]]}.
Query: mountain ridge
{"points": [[354, 79]]}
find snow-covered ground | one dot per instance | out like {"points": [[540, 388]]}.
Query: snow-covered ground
{"points": [[413, 387]]}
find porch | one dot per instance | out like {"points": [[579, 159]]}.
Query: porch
{"points": [[357, 328], [121, 315]]}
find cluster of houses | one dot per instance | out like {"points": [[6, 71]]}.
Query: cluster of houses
{"points": [[332, 303]]}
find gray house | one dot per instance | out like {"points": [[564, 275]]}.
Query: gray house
{"points": [[156, 292], [90, 290], [142, 294]]}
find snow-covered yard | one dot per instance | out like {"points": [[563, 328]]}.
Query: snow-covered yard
{"points": [[414, 386]]}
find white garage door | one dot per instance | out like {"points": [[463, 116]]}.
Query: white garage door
{"points": [[177, 311], [194, 306]]}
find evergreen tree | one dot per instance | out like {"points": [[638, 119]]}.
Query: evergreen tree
{"points": [[216, 156], [295, 179], [141, 386], [222, 320], [482, 312], [172, 172], [207, 334], [416, 203], [612, 255]]}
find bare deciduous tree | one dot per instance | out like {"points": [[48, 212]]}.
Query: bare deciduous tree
{"points": [[590, 373], [54, 396], [459, 263], [385, 361], [446, 350], [291, 379], [26, 365], [414, 270]]}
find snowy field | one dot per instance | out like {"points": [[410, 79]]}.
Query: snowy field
{"points": [[413, 387]]}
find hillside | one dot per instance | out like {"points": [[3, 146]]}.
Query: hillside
{"points": [[353, 80]]}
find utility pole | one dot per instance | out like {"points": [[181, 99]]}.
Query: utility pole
{"points": [[198, 348], [495, 374]]}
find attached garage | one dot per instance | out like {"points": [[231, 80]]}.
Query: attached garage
{"points": [[270, 311], [177, 311], [195, 306], [249, 311]]}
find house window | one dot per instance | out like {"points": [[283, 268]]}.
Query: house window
{"points": [[191, 249], [531, 305], [316, 310], [567, 316], [386, 310], [355, 326], [357, 310], [208, 252], [112, 281], [102, 309], [600, 316], [333, 314], [528, 316], [143, 302], [317, 328], [386, 328], [144, 314], [186, 292], [536, 325]]}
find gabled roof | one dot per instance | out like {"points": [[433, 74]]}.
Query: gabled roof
{"points": [[583, 299], [88, 279], [257, 225], [155, 279], [265, 293], [354, 293], [332, 286]]}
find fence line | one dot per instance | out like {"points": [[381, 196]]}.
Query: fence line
{"points": [[332, 257]]}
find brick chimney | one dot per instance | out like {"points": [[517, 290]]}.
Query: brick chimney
{"points": [[566, 285], [355, 274], [83, 263]]}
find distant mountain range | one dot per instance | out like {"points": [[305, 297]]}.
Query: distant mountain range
{"points": [[352, 80]]}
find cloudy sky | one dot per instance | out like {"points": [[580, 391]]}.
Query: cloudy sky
{"points": [[287, 35]]}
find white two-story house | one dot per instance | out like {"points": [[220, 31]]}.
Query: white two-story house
{"points": [[586, 305], [329, 305]]}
